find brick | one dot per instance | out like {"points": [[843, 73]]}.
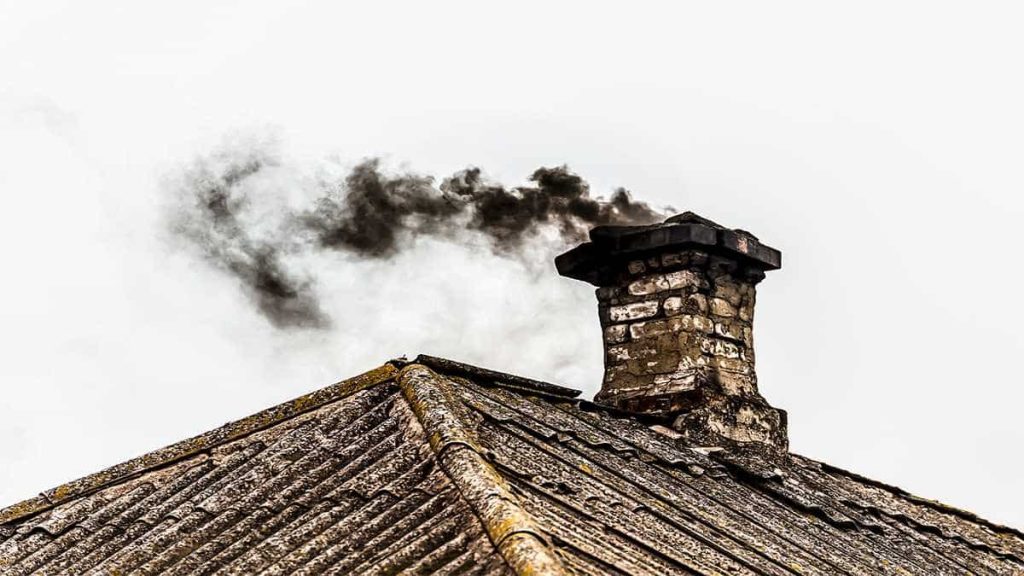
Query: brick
{"points": [[648, 285], [729, 330], [663, 363], [635, 311], [728, 291], [616, 354], [691, 323], [683, 279], [678, 381], [689, 363], [734, 365], [649, 329], [640, 350], [636, 267], [736, 384], [697, 303], [615, 374], [720, 307], [746, 311], [661, 282], [673, 259], [616, 334], [672, 305], [716, 347]]}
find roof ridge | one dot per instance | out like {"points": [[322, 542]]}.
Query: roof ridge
{"points": [[189, 447], [514, 532], [503, 379]]}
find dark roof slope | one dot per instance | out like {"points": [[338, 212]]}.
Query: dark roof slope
{"points": [[342, 481], [436, 466]]}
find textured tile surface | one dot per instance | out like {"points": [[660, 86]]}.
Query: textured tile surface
{"points": [[618, 497], [351, 487], [441, 468]]}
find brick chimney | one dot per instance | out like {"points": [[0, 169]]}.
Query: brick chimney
{"points": [[676, 302]]}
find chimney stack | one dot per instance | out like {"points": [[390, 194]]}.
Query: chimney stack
{"points": [[676, 303]]}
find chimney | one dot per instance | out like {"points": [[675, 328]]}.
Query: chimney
{"points": [[676, 303]]}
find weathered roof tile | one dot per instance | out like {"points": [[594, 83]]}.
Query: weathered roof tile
{"points": [[440, 467]]}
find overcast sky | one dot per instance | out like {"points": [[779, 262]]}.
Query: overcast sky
{"points": [[878, 145]]}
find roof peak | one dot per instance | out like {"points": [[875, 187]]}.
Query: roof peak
{"points": [[512, 381], [263, 419]]}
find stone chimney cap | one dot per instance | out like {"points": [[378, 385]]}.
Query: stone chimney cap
{"points": [[610, 245]]}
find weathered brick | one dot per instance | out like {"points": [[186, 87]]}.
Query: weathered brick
{"points": [[689, 362], [729, 291], [662, 363], [716, 347], [648, 285], [639, 350], [661, 282], [616, 354], [672, 305], [720, 307], [697, 303], [731, 365], [673, 259], [746, 311], [736, 384], [615, 374], [616, 334], [691, 323], [683, 279], [636, 267], [678, 381], [689, 343], [649, 329], [730, 330], [635, 311]]}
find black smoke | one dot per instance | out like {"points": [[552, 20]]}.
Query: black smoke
{"points": [[370, 213], [559, 198], [373, 214], [211, 219]]}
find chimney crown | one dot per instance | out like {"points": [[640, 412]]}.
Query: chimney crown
{"points": [[594, 261], [676, 302]]}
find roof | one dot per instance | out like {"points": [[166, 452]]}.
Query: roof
{"points": [[434, 466]]}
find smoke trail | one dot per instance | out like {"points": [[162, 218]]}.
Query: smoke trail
{"points": [[372, 214], [210, 219], [560, 198]]}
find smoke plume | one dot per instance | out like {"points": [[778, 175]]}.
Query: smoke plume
{"points": [[372, 214]]}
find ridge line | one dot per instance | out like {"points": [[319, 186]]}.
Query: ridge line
{"points": [[190, 447], [510, 527]]}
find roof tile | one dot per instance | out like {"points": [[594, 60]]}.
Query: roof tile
{"points": [[441, 467]]}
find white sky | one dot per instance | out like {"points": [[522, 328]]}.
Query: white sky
{"points": [[878, 145]]}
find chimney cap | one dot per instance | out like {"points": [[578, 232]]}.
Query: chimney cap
{"points": [[594, 261]]}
